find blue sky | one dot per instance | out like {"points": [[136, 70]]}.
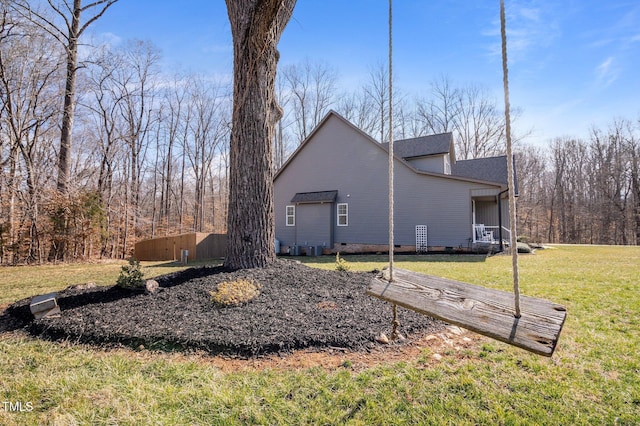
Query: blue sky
{"points": [[573, 64]]}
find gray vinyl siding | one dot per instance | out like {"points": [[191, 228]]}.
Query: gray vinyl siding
{"points": [[444, 205], [429, 164], [339, 157], [313, 222], [487, 212], [506, 222]]}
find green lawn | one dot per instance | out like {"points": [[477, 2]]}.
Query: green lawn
{"points": [[593, 378], [18, 282]]}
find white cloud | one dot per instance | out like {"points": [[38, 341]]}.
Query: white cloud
{"points": [[607, 72], [531, 14], [530, 25]]}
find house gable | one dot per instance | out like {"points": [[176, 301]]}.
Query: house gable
{"points": [[338, 158], [433, 153]]}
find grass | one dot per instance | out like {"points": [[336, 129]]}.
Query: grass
{"points": [[19, 282], [592, 378]]}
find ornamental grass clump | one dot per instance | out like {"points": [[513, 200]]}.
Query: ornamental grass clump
{"points": [[235, 293], [341, 264]]}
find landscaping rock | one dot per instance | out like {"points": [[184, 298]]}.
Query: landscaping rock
{"points": [[151, 286], [382, 338], [85, 286]]}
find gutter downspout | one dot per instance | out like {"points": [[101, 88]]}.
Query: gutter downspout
{"points": [[500, 219]]}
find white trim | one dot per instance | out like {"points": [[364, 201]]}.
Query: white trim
{"points": [[344, 215], [291, 215]]}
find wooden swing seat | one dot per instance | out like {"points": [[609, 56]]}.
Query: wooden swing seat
{"points": [[483, 310]]}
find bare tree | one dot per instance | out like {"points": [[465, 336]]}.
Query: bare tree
{"points": [[136, 86], [206, 129], [439, 111], [311, 88], [378, 91], [480, 127], [359, 109], [532, 192], [68, 35], [175, 105], [568, 220], [28, 73], [470, 113], [633, 146], [281, 142], [611, 171], [103, 107], [256, 27]]}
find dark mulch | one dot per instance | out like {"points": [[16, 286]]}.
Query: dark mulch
{"points": [[298, 307]]}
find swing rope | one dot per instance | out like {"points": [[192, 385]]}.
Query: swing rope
{"points": [[512, 199], [537, 332], [510, 168], [396, 322]]}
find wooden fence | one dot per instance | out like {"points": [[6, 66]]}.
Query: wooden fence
{"points": [[201, 246]]}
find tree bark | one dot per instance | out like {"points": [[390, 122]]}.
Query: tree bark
{"points": [[64, 161], [68, 33], [256, 27]]}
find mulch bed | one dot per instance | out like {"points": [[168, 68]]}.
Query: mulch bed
{"points": [[298, 307]]}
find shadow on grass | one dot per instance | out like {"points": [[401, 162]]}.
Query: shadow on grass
{"points": [[176, 264], [383, 258]]}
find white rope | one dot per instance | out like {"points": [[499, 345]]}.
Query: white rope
{"points": [[391, 243], [395, 323], [512, 198]]}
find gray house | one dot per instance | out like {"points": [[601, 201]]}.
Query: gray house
{"points": [[332, 195]]}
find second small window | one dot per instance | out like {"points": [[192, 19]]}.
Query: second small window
{"points": [[291, 215], [343, 214]]}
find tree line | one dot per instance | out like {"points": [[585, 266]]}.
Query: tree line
{"points": [[583, 191], [150, 151]]}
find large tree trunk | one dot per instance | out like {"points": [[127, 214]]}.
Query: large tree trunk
{"points": [[58, 247], [64, 155], [256, 26]]}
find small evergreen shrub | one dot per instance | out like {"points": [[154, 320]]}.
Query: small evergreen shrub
{"points": [[341, 264], [235, 293], [131, 275]]}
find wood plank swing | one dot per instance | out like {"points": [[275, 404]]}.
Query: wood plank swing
{"points": [[529, 323]]}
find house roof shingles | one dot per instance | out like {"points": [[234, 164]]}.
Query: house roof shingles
{"points": [[315, 197], [491, 169], [422, 146]]}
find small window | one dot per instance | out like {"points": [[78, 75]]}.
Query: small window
{"points": [[343, 214], [447, 165], [291, 215]]}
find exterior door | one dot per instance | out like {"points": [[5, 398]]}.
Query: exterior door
{"points": [[313, 222]]}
